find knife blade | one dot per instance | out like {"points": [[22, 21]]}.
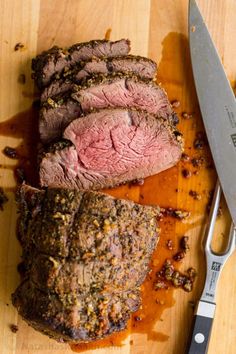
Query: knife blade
{"points": [[217, 104]]}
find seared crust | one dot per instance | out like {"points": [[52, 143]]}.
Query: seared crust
{"points": [[53, 61], [86, 255], [81, 318], [128, 64]]}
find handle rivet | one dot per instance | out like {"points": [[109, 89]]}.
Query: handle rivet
{"points": [[199, 338]]}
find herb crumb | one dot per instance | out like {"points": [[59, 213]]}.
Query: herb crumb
{"points": [[195, 195], [3, 198], [138, 318], [14, 328], [179, 256], [175, 103], [185, 157], [175, 213], [184, 243], [186, 173], [170, 275], [10, 152], [186, 115], [169, 244], [18, 46], [199, 141], [198, 161]]}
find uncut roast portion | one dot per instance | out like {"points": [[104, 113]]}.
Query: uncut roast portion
{"points": [[85, 256]]}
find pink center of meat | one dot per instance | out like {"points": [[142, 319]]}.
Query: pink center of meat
{"points": [[125, 93], [114, 144]]}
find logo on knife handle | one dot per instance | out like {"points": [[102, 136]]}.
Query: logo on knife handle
{"points": [[216, 266], [231, 116], [233, 137]]}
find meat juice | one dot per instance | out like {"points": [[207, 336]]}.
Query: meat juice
{"points": [[24, 125]]}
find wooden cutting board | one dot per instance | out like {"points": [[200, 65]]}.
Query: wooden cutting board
{"points": [[158, 29]]}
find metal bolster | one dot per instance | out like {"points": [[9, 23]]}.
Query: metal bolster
{"points": [[205, 309]]}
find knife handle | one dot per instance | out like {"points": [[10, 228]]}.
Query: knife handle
{"points": [[203, 320]]}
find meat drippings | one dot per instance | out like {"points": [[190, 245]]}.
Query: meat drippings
{"points": [[23, 126]]}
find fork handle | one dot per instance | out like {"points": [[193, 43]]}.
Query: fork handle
{"points": [[203, 320]]}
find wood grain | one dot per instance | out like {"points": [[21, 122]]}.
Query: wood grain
{"points": [[157, 28]]}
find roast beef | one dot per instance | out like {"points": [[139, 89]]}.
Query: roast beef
{"points": [[122, 91], [140, 66], [51, 273], [110, 147], [54, 117], [86, 255], [101, 92], [53, 61], [75, 318]]}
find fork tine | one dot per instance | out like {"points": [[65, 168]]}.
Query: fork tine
{"points": [[211, 225], [232, 240], [212, 216]]}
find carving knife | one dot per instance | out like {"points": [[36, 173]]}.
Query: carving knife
{"points": [[217, 103], [218, 107]]}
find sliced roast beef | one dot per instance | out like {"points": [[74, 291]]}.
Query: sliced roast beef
{"points": [[140, 66], [54, 117], [120, 90], [110, 147], [58, 86], [53, 61], [86, 255], [101, 92]]}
